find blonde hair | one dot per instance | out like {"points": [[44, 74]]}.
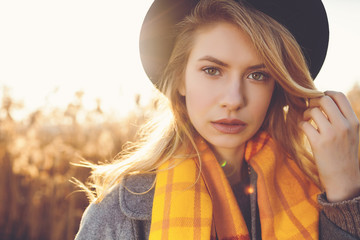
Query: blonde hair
{"points": [[163, 137]]}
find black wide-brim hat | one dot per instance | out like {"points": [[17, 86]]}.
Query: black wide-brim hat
{"points": [[305, 19]]}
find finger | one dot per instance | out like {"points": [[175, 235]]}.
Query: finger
{"points": [[310, 131], [343, 105], [319, 118], [330, 109]]}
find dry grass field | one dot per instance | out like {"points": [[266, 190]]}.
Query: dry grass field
{"points": [[37, 199]]}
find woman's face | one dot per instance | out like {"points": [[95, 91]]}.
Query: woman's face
{"points": [[227, 87]]}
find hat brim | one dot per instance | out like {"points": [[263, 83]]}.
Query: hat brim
{"points": [[305, 19]]}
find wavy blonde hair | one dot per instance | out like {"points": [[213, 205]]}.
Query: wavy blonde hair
{"points": [[163, 137]]}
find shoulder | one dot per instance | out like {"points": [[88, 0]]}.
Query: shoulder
{"points": [[135, 198], [100, 219], [116, 215]]}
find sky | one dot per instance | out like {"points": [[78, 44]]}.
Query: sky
{"points": [[51, 49]]}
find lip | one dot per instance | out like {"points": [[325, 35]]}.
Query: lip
{"points": [[229, 126]]}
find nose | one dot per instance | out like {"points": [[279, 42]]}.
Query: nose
{"points": [[233, 96]]}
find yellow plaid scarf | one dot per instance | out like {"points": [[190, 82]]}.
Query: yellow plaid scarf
{"points": [[208, 208]]}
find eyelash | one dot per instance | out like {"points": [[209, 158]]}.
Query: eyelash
{"points": [[264, 76]]}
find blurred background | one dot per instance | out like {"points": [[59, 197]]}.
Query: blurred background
{"points": [[72, 86]]}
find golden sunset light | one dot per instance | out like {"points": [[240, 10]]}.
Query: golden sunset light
{"points": [[72, 88]]}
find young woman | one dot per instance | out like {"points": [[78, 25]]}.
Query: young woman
{"points": [[249, 143]]}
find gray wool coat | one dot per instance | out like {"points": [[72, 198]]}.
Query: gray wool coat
{"points": [[126, 216]]}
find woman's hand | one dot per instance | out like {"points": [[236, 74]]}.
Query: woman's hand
{"points": [[335, 142]]}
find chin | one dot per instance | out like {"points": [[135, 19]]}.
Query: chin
{"points": [[227, 141]]}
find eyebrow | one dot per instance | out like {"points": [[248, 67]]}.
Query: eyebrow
{"points": [[214, 60], [258, 66], [221, 63]]}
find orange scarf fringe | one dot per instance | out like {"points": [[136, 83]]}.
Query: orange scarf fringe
{"points": [[186, 207]]}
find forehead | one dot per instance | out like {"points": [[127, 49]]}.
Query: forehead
{"points": [[225, 41]]}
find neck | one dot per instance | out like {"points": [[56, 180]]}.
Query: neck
{"points": [[231, 161]]}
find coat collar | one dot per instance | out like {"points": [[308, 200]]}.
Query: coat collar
{"points": [[137, 206]]}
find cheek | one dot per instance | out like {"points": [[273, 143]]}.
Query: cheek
{"points": [[261, 102], [196, 99], [197, 91]]}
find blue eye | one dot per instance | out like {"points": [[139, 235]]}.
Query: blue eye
{"points": [[258, 76], [212, 71]]}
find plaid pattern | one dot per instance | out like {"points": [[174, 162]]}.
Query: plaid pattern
{"points": [[287, 199], [208, 208]]}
